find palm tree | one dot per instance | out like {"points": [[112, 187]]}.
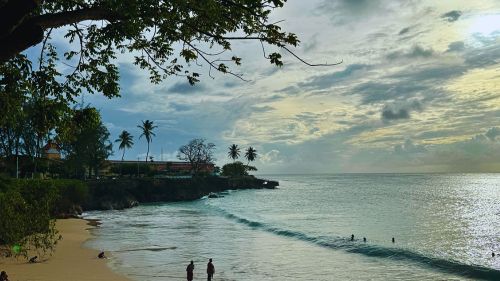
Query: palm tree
{"points": [[147, 131], [250, 154], [234, 152], [126, 140]]}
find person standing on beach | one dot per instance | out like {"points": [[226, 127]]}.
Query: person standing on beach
{"points": [[189, 270], [210, 270]]}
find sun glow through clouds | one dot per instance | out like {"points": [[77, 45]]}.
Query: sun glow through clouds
{"points": [[488, 25]]}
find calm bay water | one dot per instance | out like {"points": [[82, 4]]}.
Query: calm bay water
{"points": [[445, 226]]}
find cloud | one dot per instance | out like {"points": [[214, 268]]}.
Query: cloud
{"points": [[325, 81], [457, 46], [271, 156], [409, 147], [342, 12], [366, 115], [404, 31], [493, 133], [400, 110], [414, 52], [452, 16], [390, 114], [349, 7], [260, 109], [311, 44], [380, 92], [185, 88]]}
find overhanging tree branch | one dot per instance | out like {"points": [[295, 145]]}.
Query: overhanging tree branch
{"points": [[65, 18]]}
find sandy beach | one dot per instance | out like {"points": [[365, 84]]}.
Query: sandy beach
{"points": [[70, 261]]}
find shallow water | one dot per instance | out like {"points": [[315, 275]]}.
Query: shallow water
{"points": [[445, 227]]}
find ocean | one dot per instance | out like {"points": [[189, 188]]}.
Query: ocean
{"points": [[445, 227]]}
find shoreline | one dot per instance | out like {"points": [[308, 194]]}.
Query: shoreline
{"points": [[70, 261]]}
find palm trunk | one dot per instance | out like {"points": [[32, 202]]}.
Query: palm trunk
{"points": [[121, 164], [147, 153]]}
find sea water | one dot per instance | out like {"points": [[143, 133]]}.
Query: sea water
{"points": [[445, 227]]}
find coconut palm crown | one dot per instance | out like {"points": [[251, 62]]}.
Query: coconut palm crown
{"points": [[126, 140], [250, 154], [234, 152], [147, 128]]}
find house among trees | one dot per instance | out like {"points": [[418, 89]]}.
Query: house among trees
{"points": [[52, 151]]}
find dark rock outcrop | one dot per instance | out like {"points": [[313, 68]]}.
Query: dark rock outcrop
{"points": [[126, 193]]}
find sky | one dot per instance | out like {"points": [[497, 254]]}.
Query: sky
{"points": [[418, 91]]}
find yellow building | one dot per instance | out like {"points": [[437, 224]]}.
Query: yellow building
{"points": [[52, 151]]}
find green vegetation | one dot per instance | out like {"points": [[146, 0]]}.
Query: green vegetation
{"points": [[237, 169], [234, 152], [250, 154], [147, 128], [126, 140], [85, 141], [38, 96], [149, 29], [133, 170], [27, 210]]}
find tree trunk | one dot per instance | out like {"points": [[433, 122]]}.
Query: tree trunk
{"points": [[21, 32], [147, 154], [121, 164]]}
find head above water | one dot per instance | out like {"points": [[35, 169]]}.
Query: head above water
{"points": [[210, 260], [192, 262]]}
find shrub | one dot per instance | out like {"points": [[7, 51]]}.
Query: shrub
{"points": [[26, 223], [236, 169]]}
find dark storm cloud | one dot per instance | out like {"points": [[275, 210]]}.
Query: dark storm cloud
{"points": [[185, 88], [452, 16]]}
